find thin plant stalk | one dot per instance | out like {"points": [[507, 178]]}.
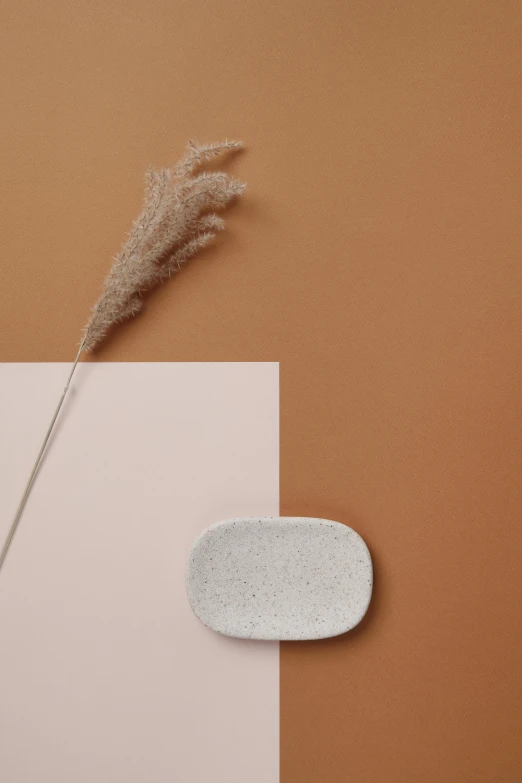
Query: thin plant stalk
{"points": [[38, 461]]}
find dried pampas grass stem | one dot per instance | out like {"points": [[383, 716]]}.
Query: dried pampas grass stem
{"points": [[177, 220]]}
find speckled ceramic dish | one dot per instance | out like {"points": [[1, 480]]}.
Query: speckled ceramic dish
{"points": [[279, 578]]}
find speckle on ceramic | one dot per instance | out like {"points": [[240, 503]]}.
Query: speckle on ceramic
{"points": [[279, 578]]}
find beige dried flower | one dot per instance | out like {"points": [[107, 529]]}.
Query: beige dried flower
{"points": [[178, 219]]}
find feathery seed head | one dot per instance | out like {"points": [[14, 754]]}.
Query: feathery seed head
{"points": [[177, 220]]}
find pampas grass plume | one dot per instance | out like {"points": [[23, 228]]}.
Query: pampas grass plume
{"points": [[179, 218]]}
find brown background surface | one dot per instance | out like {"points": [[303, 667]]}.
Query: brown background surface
{"points": [[378, 257]]}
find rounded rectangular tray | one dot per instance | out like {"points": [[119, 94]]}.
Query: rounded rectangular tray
{"points": [[279, 578]]}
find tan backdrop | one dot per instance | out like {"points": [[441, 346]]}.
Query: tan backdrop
{"points": [[377, 257]]}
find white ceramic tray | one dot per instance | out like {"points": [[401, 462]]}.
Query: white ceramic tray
{"points": [[279, 578]]}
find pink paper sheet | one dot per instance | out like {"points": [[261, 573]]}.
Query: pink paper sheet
{"points": [[106, 676]]}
